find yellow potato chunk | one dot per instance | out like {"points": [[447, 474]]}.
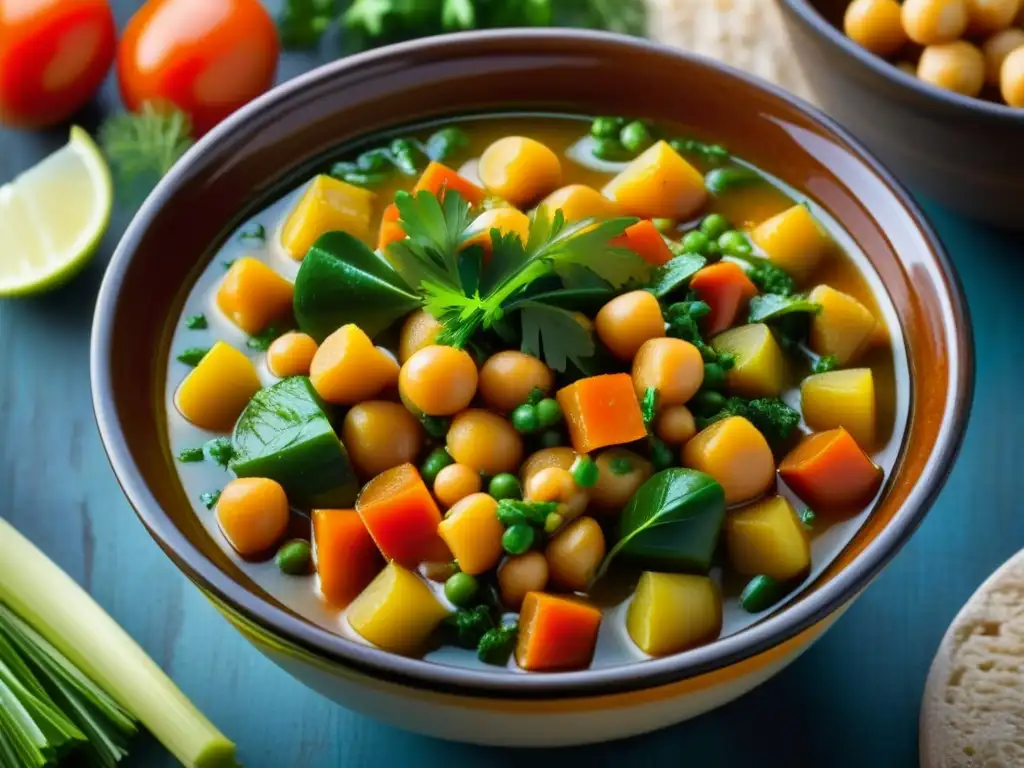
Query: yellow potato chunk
{"points": [[841, 399], [658, 184], [519, 169], [328, 205], [348, 369], [793, 241], [578, 201], [767, 538], [397, 611], [253, 295], [672, 612], [214, 394], [760, 368], [734, 453], [473, 534], [844, 327]]}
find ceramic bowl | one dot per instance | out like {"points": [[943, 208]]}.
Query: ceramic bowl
{"points": [[275, 143], [962, 152]]}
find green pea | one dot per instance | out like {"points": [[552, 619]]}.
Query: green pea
{"points": [[549, 413], [635, 137], [610, 150], [339, 170], [662, 457], [584, 472], [664, 225], [461, 588], [437, 460], [761, 593], [505, 486], [683, 146], [714, 225], [524, 419], [294, 557], [360, 179], [707, 402], [734, 242], [518, 539], [551, 438], [714, 376], [374, 161], [606, 127], [435, 426], [406, 156], [553, 522], [695, 242]]}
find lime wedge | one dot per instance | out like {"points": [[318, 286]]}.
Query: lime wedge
{"points": [[53, 216]]}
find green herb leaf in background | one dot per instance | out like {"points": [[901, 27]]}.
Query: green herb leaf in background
{"points": [[142, 146], [192, 356], [303, 22], [770, 306]]}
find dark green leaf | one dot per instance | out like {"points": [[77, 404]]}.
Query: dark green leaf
{"points": [[674, 274], [262, 340], [578, 277], [770, 306], [585, 300], [553, 335], [727, 178], [465, 628], [342, 281], [219, 450], [303, 22], [497, 644], [761, 593], [515, 512], [470, 266]]}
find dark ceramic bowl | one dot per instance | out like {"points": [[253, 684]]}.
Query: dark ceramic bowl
{"points": [[965, 153], [274, 144]]}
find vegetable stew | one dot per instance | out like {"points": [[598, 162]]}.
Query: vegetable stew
{"points": [[536, 392]]}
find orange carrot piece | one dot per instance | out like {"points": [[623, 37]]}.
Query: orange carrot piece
{"points": [[346, 557], [437, 178], [556, 633], [830, 472], [601, 411], [726, 289], [644, 239], [402, 517], [390, 230]]}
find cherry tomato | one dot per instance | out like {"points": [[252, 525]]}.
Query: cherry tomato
{"points": [[207, 57], [54, 55]]}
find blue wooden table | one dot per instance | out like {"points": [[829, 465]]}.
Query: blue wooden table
{"points": [[852, 700]]}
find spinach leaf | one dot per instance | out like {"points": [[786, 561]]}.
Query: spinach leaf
{"points": [[771, 306], [721, 180], [674, 273], [342, 281], [672, 523]]}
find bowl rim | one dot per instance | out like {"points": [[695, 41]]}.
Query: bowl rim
{"points": [[417, 673], [807, 13]]}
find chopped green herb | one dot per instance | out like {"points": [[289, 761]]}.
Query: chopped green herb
{"points": [[535, 396], [262, 340], [516, 512], [620, 466], [192, 356], [220, 451], [465, 628], [256, 233], [496, 645], [771, 306], [649, 406], [674, 274], [807, 517], [190, 455], [196, 322], [766, 276], [210, 499], [229, 263], [772, 417], [825, 364]]}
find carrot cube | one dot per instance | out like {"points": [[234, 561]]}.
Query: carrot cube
{"points": [[830, 472], [438, 177], [402, 517], [725, 288], [390, 230], [556, 633], [344, 553], [644, 239], [602, 411]]}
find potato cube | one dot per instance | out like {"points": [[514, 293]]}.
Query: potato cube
{"points": [[348, 369], [672, 612], [397, 612], [253, 295], [844, 327], [760, 368], [473, 534], [658, 184], [736, 454], [793, 241], [327, 205], [841, 399], [214, 394], [767, 538]]}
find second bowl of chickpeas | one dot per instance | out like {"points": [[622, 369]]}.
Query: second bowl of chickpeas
{"points": [[934, 87]]}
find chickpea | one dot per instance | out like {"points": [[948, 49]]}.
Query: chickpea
{"points": [[875, 25], [627, 321], [675, 424], [958, 67], [934, 21], [985, 17], [672, 366], [291, 355], [620, 473], [578, 201], [253, 514], [996, 49], [561, 457], [455, 482], [380, 435], [574, 554], [485, 441], [507, 379], [419, 330], [556, 484], [519, 170], [439, 381], [522, 574], [1011, 81]]}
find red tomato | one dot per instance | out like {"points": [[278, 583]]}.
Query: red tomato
{"points": [[207, 57], [54, 55]]}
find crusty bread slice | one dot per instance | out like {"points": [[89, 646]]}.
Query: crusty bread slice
{"points": [[972, 715], [747, 34]]}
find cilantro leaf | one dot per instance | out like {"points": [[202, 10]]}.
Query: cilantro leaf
{"points": [[770, 306], [674, 273], [553, 335], [196, 322], [430, 253]]}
